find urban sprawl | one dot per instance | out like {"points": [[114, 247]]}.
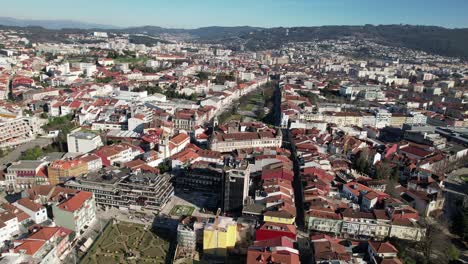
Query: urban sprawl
{"points": [[184, 152]]}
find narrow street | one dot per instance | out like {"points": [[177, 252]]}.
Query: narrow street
{"points": [[287, 143]]}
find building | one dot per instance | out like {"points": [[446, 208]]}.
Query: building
{"points": [[75, 211], [201, 176], [280, 217], [17, 130], [220, 236], [118, 153], [62, 170], [9, 226], [188, 233], [407, 229], [269, 231], [244, 140], [43, 245], [37, 212], [324, 220], [236, 186], [25, 174], [83, 142], [278, 250], [125, 189], [379, 251], [369, 93]]}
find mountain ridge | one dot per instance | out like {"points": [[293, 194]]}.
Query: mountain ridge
{"points": [[432, 39]]}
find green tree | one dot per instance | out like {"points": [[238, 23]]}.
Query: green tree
{"points": [[32, 154], [203, 76], [452, 253], [460, 224], [164, 167], [383, 170]]}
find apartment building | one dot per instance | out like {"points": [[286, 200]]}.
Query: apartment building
{"points": [[37, 212], [118, 153], [244, 140], [9, 226], [62, 170], [125, 189], [83, 142], [17, 130], [25, 174], [75, 211]]}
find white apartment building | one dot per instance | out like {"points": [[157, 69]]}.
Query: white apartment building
{"points": [[17, 130], [382, 118], [83, 142], [8, 226], [243, 140], [37, 212]]}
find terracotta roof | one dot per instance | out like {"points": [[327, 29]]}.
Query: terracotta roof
{"points": [[29, 247], [382, 247], [30, 204], [46, 233], [76, 201], [177, 140]]}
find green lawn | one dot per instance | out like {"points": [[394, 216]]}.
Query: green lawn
{"points": [[127, 243], [131, 60], [180, 210]]}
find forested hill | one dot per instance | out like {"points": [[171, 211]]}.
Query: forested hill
{"points": [[432, 39]]}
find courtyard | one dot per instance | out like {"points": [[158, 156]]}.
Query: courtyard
{"points": [[180, 210], [123, 242]]}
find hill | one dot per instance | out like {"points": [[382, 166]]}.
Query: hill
{"points": [[432, 39], [50, 24]]}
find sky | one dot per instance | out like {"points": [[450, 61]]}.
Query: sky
{"points": [[262, 13]]}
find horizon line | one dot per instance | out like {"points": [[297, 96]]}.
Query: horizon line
{"points": [[115, 27]]}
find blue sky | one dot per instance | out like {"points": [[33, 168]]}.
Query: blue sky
{"points": [[264, 13]]}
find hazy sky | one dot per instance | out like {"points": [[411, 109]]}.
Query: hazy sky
{"points": [[264, 13]]}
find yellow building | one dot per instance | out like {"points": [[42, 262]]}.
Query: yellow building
{"points": [[280, 217], [397, 120], [343, 118], [61, 170], [219, 237]]}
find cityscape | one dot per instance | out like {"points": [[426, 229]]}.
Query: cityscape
{"points": [[261, 144]]}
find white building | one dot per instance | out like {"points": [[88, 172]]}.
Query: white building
{"points": [[83, 142], [37, 212], [8, 226]]}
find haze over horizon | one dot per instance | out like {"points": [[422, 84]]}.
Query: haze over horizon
{"points": [[261, 13]]}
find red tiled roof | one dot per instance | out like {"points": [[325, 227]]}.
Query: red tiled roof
{"points": [[31, 205], [382, 247], [29, 247], [76, 201]]}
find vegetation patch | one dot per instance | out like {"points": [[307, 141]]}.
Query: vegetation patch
{"points": [[180, 210], [127, 243]]}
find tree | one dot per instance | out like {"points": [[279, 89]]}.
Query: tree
{"points": [[362, 163], [435, 245], [453, 253], [203, 76], [32, 154], [460, 224], [383, 170], [164, 167]]}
